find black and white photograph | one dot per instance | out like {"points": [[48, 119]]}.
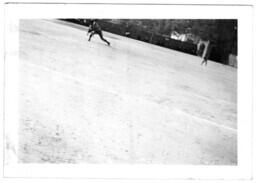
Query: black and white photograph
{"points": [[134, 90], [128, 91]]}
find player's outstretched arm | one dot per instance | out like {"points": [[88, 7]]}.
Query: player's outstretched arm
{"points": [[89, 30]]}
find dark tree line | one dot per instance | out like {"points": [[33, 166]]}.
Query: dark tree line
{"points": [[214, 30], [221, 32]]}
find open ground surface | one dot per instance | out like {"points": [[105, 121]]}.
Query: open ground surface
{"points": [[133, 102]]}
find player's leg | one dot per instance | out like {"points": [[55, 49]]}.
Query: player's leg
{"points": [[92, 33], [89, 31], [102, 38], [204, 61]]}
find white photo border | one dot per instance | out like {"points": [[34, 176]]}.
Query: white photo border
{"points": [[15, 11]]}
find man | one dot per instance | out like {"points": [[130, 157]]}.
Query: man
{"points": [[94, 28], [206, 54]]}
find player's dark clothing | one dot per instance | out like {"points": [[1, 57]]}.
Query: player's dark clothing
{"points": [[94, 28]]}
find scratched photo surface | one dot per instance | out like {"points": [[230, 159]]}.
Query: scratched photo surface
{"points": [[128, 91]]}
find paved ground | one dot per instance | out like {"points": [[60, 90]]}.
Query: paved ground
{"points": [[133, 102]]}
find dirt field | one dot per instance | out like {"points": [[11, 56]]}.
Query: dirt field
{"points": [[133, 102]]}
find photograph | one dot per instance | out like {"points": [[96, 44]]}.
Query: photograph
{"points": [[136, 91], [121, 91]]}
